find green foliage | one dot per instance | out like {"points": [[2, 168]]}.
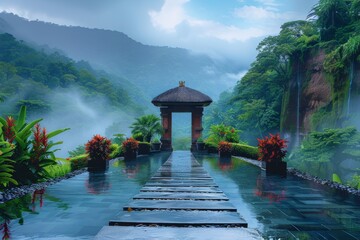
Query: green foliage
{"points": [[336, 178], [355, 182], [61, 168], [330, 15], [144, 148], [22, 67], [244, 150], [323, 150], [181, 143], [31, 155], [118, 138], [221, 132], [79, 162], [79, 150], [116, 151], [147, 125], [6, 164], [211, 147]]}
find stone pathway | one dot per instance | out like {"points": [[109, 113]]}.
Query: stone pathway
{"points": [[181, 194]]}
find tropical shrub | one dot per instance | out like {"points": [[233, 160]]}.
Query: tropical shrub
{"points": [[61, 168], [118, 138], [138, 137], [79, 150], [244, 150], [6, 167], [130, 145], [79, 162], [32, 154], [148, 126], [211, 147], [116, 151], [321, 153], [221, 132], [272, 148], [144, 148], [224, 148], [98, 148]]}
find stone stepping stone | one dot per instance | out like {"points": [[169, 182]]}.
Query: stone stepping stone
{"points": [[185, 180], [182, 189], [170, 174], [180, 205], [197, 170], [182, 195], [179, 184], [175, 233], [178, 178], [179, 218]]}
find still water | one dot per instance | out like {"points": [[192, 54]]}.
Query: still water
{"points": [[285, 208], [79, 207], [279, 208]]}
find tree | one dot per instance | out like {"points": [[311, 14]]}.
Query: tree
{"points": [[330, 15], [147, 125]]}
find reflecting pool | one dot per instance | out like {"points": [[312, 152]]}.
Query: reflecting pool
{"points": [[79, 207], [285, 208], [280, 208]]}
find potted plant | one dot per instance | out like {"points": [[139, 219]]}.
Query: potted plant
{"points": [[98, 149], [200, 144], [130, 148], [155, 144], [224, 149], [271, 151]]}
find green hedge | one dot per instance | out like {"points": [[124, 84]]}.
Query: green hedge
{"points": [[244, 150], [211, 148], [79, 162], [116, 151], [144, 148]]}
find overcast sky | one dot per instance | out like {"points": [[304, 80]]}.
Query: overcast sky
{"points": [[220, 28]]}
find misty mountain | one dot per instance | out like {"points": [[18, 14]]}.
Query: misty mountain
{"points": [[152, 69]]}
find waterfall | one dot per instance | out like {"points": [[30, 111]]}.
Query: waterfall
{"points": [[298, 85], [352, 67]]}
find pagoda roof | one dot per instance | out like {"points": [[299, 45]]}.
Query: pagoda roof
{"points": [[182, 95]]}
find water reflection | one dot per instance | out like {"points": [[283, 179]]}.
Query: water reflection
{"points": [[76, 206], [97, 183], [131, 168], [286, 208], [267, 189], [225, 163], [37, 195]]}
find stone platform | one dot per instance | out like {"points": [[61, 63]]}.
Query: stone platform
{"points": [[180, 200]]}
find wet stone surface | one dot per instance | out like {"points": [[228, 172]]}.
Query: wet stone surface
{"points": [[180, 195]]}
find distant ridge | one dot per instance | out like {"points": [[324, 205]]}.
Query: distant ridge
{"points": [[153, 69]]}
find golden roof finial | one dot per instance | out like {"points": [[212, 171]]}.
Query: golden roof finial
{"points": [[181, 83]]}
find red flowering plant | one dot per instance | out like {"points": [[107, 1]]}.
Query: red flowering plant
{"points": [[224, 148], [272, 148], [98, 148], [130, 145]]}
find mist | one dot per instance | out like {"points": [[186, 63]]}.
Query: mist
{"points": [[84, 116]]}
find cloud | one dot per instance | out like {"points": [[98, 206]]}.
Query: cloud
{"points": [[268, 3], [170, 15], [250, 13]]}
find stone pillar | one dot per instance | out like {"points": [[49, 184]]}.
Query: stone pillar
{"points": [[166, 119], [196, 126]]}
